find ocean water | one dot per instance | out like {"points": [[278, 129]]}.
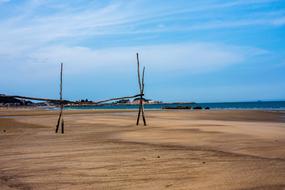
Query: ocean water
{"points": [[259, 105]]}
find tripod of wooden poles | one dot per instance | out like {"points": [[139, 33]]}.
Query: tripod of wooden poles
{"points": [[141, 88]]}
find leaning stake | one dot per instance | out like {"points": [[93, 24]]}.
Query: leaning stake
{"points": [[60, 118]]}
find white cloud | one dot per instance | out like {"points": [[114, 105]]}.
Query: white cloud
{"points": [[187, 57], [29, 29], [32, 38]]}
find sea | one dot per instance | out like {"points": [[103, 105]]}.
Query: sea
{"points": [[257, 105]]}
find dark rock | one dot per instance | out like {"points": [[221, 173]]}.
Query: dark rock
{"points": [[197, 108], [178, 107]]}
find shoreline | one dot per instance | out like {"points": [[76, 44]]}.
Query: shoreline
{"points": [[249, 105], [136, 109]]}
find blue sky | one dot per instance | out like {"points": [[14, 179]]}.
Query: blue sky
{"points": [[203, 51]]}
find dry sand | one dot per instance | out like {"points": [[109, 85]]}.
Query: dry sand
{"points": [[177, 150]]}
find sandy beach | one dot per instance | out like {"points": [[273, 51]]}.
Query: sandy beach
{"points": [[177, 150]]}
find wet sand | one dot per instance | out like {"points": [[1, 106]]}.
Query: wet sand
{"points": [[177, 150]]}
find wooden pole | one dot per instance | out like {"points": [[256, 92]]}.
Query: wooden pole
{"points": [[39, 99], [142, 92], [60, 119], [139, 77], [143, 81], [138, 118], [60, 93], [139, 82], [62, 105], [113, 99], [62, 126], [68, 101], [141, 88]]}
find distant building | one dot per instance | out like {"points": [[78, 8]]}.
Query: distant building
{"points": [[154, 102], [145, 101]]}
